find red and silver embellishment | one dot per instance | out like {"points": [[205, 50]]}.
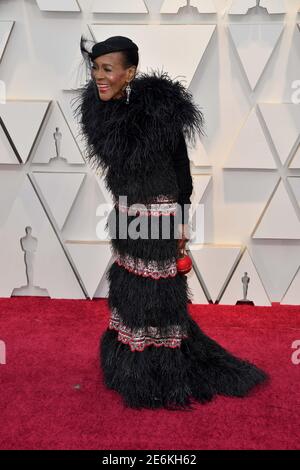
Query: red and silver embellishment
{"points": [[145, 268], [161, 205], [140, 338]]}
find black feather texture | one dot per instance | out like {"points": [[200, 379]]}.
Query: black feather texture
{"points": [[136, 141], [176, 378], [133, 145]]}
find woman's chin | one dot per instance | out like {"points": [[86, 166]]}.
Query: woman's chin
{"points": [[108, 96], [104, 98]]}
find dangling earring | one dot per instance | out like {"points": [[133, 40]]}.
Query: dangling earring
{"points": [[128, 91]]}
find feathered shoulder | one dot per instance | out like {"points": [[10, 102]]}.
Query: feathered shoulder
{"points": [[136, 133], [168, 101]]}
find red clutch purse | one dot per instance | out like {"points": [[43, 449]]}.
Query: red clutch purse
{"points": [[184, 263]]}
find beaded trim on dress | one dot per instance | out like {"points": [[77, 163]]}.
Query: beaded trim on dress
{"points": [[140, 338], [160, 205], [145, 268]]}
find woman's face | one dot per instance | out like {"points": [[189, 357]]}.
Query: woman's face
{"points": [[107, 70]]}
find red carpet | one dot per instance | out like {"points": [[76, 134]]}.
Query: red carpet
{"points": [[52, 396]]}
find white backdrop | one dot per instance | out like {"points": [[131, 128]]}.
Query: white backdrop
{"points": [[242, 64]]}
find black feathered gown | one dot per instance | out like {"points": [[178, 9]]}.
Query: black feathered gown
{"points": [[152, 352]]}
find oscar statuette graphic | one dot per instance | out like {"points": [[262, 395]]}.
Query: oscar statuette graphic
{"points": [[57, 135], [245, 281], [29, 246]]}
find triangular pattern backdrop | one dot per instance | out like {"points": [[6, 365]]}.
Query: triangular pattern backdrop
{"points": [[58, 5], [240, 61], [239, 7], [119, 6], [5, 30], [174, 6], [254, 44]]}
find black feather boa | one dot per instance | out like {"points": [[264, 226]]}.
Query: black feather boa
{"points": [[133, 143]]}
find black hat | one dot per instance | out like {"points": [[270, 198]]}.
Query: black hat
{"points": [[112, 44]]}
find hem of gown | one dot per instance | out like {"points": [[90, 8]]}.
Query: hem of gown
{"points": [[176, 378]]}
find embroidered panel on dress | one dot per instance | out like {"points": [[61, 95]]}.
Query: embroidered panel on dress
{"points": [[159, 205], [146, 268], [140, 338]]}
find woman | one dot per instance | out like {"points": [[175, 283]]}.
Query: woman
{"points": [[135, 127]]}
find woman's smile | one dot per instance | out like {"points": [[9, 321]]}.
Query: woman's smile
{"points": [[103, 88]]}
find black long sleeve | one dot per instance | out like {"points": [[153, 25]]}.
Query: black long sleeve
{"points": [[184, 179]]}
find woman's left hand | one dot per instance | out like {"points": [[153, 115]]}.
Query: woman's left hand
{"points": [[183, 231]]}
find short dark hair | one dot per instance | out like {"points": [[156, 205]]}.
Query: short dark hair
{"points": [[130, 57]]}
